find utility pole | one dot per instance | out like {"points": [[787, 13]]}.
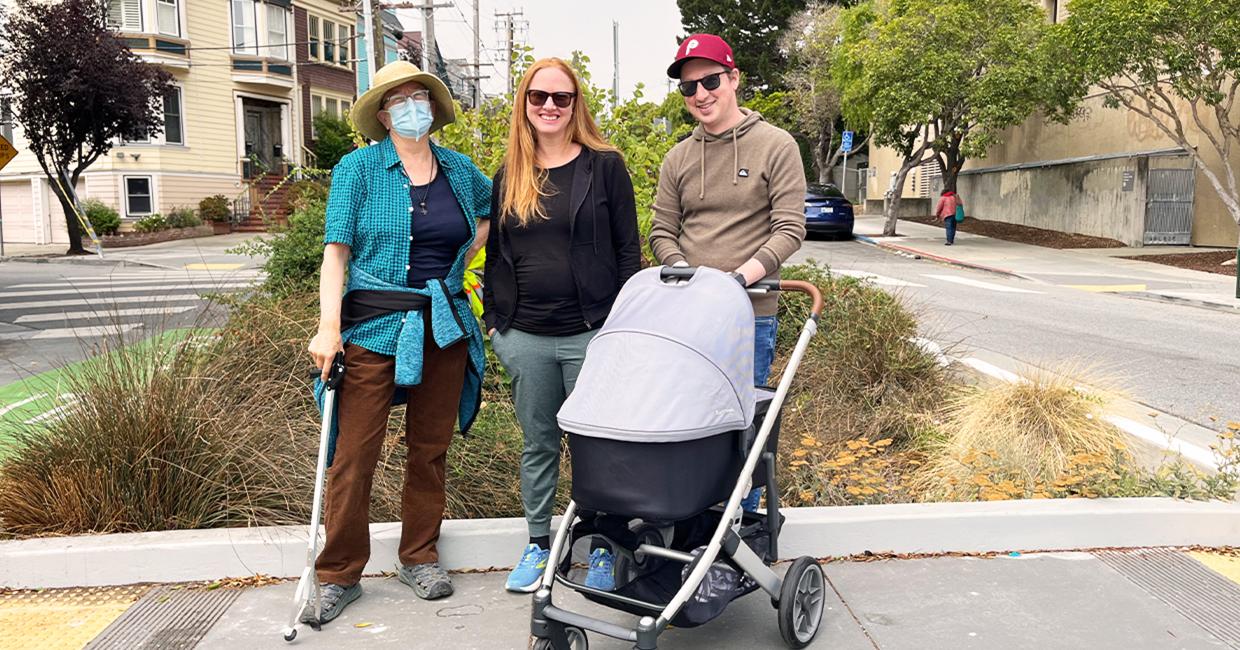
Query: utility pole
{"points": [[368, 42], [510, 40], [615, 75], [477, 78]]}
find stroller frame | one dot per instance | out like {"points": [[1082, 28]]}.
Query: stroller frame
{"points": [[798, 595]]}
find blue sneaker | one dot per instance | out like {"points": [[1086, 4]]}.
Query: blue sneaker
{"points": [[750, 503], [602, 574], [529, 571]]}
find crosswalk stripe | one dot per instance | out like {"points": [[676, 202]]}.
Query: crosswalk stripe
{"points": [[118, 283], [970, 282], [102, 314], [70, 291], [103, 301], [165, 274], [70, 332], [880, 280]]}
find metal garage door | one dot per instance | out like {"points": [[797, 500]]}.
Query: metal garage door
{"points": [[1169, 207], [19, 222]]}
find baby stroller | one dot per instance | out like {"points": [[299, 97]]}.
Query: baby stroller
{"points": [[667, 434]]}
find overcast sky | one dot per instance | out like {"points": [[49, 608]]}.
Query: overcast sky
{"points": [[648, 31]]}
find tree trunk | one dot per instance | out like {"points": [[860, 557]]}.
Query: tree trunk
{"points": [[891, 207], [822, 155], [67, 206]]}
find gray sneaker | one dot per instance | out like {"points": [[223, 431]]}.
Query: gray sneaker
{"points": [[334, 598], [428, 580]]}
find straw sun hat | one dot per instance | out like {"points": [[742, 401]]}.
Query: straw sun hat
{"points": [[365, 111]]}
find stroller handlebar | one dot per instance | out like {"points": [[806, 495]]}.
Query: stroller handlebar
{"points": [[801, 286]]}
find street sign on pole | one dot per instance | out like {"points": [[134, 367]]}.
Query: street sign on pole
{"points": [[846, 144], [7, 153]]}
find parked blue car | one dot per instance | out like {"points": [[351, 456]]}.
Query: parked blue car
{"points": [[827, 212]]}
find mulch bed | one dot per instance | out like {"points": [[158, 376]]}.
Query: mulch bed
{"points": [[1024, 234], [1210, 262]]}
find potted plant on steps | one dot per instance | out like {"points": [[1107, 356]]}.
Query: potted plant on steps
{"points": [[215, 209]]}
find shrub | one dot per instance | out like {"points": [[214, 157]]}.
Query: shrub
{"points": [[152, 223], [215, 208], [295, 253], [183, 217], [333, 139], [102, 217], [304, 192]]}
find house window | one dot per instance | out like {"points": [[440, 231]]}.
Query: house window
{"points": [[6, 117], [314, 37], [125, 15], [343, 52], [332, 107], [277, 32], [137, 196], [174, 128], [316, 107], [168, 17], [344, 109], [329, 41], [244, 26]]}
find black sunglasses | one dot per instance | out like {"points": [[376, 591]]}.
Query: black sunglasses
{"points": [[709, 82], [539, 98]]}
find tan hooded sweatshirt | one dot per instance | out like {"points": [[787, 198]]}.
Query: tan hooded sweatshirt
{"points": [[726, 198]]}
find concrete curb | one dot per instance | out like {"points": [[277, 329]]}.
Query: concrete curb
{"points": [[1177, 300], [1060, 524], [87, 261], [943, 260]]}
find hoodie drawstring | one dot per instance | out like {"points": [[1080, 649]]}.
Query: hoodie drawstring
{"points": [[702, 168], [736, 158]]}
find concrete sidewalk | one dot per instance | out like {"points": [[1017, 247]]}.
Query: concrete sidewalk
{"points": [[1095, 270], [1152, 599], [196, 254]]}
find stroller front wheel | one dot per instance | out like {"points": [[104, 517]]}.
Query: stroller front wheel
{"points": [[801, 602], [576, 640]]}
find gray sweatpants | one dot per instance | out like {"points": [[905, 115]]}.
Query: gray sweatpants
{"points": [[544, 370]]}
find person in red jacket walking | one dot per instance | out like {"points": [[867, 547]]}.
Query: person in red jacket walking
{"points": [[946, 211]]}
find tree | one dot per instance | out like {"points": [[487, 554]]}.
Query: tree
{"points": [[941, 79], [333, 139], [811, 40], [752, 28], [1174, 62], [77, 89]]}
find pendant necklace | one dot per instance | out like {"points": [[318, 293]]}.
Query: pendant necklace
{"points": [[426, 194]]}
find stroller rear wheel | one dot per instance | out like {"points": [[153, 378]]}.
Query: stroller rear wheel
{"points": [[801, 602], [576, 640]]}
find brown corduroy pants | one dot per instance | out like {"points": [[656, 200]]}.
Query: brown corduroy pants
{"points": [[363, 404]]}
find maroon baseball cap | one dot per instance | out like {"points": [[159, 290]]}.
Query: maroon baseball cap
{"points": [[701, 46]]}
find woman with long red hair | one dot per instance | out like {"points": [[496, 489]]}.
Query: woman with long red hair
{"points": [[563, 242]]}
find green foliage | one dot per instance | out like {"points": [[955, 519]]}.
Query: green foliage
{"points": [[1174, 62], [215, 208], [952, 74], [753, 29], [183, 217], [152, 223], [295, 253], [103, 218], [333, 139]]}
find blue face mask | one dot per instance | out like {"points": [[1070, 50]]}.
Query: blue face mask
{"points": [[412, 118]]}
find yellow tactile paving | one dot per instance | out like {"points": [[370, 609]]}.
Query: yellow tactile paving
{"points": [[208, 266], [1224, 565], [61, 619]]}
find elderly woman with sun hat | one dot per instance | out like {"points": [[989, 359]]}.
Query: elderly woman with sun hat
{"points": [[403, 217]]}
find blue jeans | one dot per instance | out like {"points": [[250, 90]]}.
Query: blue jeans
{"points": [[763, 348], [950, 224]]}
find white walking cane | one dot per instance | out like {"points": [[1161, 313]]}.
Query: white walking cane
{"points": [[309, 593]]}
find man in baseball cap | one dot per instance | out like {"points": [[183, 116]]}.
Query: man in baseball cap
{"points": [[732, 195]]}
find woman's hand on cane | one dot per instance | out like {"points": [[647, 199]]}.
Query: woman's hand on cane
{"points": [[323, 348]]}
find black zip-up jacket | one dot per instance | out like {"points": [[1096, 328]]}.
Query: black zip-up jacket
{"points": [[605, 247]]}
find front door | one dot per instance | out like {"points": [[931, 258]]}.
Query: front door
{"points": [[263, 150]]}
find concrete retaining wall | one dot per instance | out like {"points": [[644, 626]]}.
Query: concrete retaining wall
{"points": [[908, 207], [1102, 198]]}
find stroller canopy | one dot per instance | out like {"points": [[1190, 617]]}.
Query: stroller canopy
{"points": [[674, 362]]}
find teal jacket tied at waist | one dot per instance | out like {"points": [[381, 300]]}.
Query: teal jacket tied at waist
{"points": [[369, 206]]}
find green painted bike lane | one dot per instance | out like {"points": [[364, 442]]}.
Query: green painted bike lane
{"points": [[26, 402]]}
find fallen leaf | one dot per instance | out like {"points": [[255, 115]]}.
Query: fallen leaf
{"points": [[366, 624]]}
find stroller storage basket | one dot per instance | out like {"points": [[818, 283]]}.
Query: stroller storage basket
{"points": [[663, 481], [653, 580]]}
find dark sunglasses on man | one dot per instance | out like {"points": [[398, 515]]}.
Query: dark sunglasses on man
{"points": [[560, 99], [709, 82]]}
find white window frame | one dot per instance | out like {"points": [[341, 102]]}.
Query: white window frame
{"points": [[253, 28], [277, 49], [176, 14], [150, 188], [313, 28], [317, 105], [180, 94], [122, 26]]}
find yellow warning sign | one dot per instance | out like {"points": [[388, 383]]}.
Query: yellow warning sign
{"points": [[7, 152]]}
